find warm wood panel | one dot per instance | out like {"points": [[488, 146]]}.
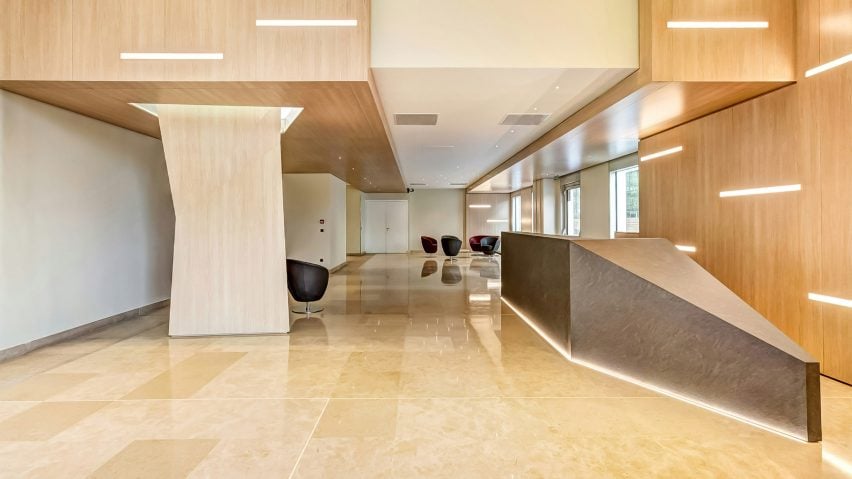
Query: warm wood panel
{"points": [[719, 54], [340, 130], [476, 219], [835, 29], [36, 40], [775, 249], [229, 273], [314, 53], [835, 277], [103, 29]]}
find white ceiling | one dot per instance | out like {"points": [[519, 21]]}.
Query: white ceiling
{"points": [[471, 102]]}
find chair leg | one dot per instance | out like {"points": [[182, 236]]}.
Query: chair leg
{"points": [[307, 309]]}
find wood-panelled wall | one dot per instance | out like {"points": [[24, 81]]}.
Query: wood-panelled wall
{"points": [[476, 219], [224, 169], [772, 249], [80, 40]]}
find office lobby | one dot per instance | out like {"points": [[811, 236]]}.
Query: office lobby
{"points": [[449, 239]]}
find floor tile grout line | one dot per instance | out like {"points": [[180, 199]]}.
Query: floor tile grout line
{"points": [[308, 440]]}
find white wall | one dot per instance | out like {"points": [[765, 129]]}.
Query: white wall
{"points": [[435, 213], [309, 198], [594, 202], [505, 33], [86, 221]]}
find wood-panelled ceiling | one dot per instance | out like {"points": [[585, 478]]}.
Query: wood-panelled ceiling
{"points": [[340, 131]]}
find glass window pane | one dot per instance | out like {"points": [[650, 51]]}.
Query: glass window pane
{"points": [[627, 200], [572, 209]]}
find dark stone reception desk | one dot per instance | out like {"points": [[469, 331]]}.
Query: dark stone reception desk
{"points": [[641, 309]]}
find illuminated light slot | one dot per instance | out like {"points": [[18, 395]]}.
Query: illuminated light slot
{"points": [[658, 154], [760, 191], [494, 284], [306, 23], [146, 107], [828, 66], [822, 298], [686, 249], [479, 206], [288, 116], [496, 221], [691, 25], [837, 462], [479, 297], [172, 56], [695, 402]]}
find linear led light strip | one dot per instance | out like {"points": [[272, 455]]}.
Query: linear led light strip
{"points": [[695, 402], [479, 206], [171, 56], [688, 25], [658, 154], [760, 191], [306, 23], [496, 221], [822, 298], [828, 66], [479, 297], [688, 249]]}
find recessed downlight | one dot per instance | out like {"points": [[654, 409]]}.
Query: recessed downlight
{"points": [[170, 56], [760, 191], [700, 24], [306, 23], [658, 154]]}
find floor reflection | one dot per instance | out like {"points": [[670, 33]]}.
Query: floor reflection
{"points": [[430, 266], [402, 375]]}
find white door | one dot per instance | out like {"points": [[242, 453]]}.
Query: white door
{"points": [[396, 220], [386, 226]]}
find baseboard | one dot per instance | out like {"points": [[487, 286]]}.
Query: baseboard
{"points": [[21, 349], [338, 267]]}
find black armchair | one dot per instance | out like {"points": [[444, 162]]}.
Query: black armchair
{"points": [[307, 283], [489, 245], [451, 245]]}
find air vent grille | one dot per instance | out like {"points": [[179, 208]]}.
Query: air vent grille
{"points": [[524, 119], [417, 184], [415, 119]]}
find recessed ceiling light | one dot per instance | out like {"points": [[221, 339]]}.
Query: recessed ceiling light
{"points": [[171, 56], [496, 146], [687, 25], [760, 191], [829, 65], [557, 87], [306, 23], [511, 131]]}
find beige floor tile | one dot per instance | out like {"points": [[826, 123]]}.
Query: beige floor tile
{"points": [[45, 420], [187, 377], [358, 418], [156, 459], [42, 386], [401, 376]]}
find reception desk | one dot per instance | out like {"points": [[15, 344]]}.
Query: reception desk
{"points": [[643, 311]]}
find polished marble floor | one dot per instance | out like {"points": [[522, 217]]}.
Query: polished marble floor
{"points": [[412, 370]]}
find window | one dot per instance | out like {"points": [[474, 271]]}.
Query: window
{"points": [[625, 183], [571, 210], [516, 213]]}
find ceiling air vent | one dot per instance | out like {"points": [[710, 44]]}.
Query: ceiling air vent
{"points": [[419, 119], [417, 184], [458, 184], [524, 119]]}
